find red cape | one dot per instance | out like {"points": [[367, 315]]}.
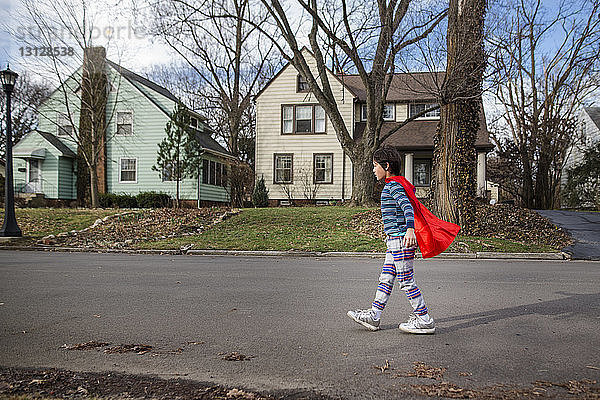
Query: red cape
{"points": [[433, 234]]}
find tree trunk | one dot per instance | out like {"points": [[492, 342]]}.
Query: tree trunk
{"points": [[363, 179], [456, 163], [455, 157], [93, 186], [543, 190], [527, 178]]}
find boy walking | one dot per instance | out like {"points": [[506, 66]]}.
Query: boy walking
{"points": [[398, 215]]}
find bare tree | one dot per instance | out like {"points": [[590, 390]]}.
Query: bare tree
{"points": [[310, 188], [65, 30], [545, 61], [227, 55], [354, 36], [454, 187], [26, 98]]}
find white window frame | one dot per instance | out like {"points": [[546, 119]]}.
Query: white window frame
{"points": [[62, 117], [121, 169], [428, 163], [315, 119], [117, 123], [294, 119], [291, 156], [325, 182], [430, 115], [363, 112], [290, 120], [393, 116]]}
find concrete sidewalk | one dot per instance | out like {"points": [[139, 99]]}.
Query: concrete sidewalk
{"points": [[274, 253]]}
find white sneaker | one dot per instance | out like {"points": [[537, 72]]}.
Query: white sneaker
{"points": [[415, 325], [365, 318]]}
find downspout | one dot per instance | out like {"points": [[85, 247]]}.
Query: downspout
{"points": [[343, 173], [199, 181]]}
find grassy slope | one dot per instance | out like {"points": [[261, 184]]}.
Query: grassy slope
{"points": [[40, 222], [310, 229]]}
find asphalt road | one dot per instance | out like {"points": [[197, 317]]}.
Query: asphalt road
{"points": [[499, 321], [584, 227]]}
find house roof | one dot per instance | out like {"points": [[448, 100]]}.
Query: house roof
{"points": [[418, 134], [405, 87], [594, 113], [140, 79], [60, 146], [208, 143], [288, 64]]}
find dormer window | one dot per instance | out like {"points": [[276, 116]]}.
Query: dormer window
{"points": [[302, 84], [389, 112], [417, 108]]}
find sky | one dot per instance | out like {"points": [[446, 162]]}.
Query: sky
{"points": [[117, 28]]}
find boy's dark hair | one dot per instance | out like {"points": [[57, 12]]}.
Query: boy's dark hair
{"points": [[389, 158]]}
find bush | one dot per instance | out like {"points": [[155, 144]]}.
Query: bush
{"points": [[260, 196], [110, 200], [125, 201], [583, 182], [153, 200], [107, 200]]}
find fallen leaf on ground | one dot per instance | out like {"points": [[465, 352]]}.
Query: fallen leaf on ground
{"points": [[92, 344], [240, 394], [235, 356], [129, 348], [422, 370], [385, 367]]}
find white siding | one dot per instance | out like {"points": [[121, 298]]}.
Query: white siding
{"points": [[592, 136], [269, 139]]}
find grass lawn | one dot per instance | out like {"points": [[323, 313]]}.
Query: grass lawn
{"points": [[36, 223], [310, 229], [293, 228]]}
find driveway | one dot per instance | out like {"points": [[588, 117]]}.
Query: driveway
{"points": [[499, 321], [583, 226]]}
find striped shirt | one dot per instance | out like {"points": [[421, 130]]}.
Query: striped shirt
{"points": [[396, 211]]}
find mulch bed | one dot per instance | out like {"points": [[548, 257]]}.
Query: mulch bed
{"points": [[124, 230], [56, 383], [500, 221]]}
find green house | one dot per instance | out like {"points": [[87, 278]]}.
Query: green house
{"points": [[137, 110]]}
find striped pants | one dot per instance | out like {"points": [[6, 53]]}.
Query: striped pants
{"points": [[399, 265]]}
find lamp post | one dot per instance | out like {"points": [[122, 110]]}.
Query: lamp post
{"points": [[10, 227]]}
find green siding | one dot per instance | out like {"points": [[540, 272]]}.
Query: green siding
{"points": [[66, 179], [149, 122], [48, 166], [148, 131]]}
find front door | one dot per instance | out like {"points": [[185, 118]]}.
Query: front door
{"points": [[34, 176]]}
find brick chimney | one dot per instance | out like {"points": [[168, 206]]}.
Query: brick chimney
{"points": [[92, 120]]}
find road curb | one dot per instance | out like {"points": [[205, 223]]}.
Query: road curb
{"points": [[482, 255]]}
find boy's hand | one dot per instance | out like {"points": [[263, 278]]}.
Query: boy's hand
{"points": [[410, 240]]}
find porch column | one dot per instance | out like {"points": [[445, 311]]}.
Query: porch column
{"points": [[408, 166], [481, 164]]}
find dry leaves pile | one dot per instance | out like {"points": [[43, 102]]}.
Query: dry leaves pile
{"points": [[501, 221], [124, 230], [422, 370], [235, 356], [584, 389]]}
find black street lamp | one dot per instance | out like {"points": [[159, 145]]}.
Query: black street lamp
{"points": [[10, 227]]}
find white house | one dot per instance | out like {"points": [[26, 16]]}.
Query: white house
{"points": [[297, 150], [589, 125]]}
